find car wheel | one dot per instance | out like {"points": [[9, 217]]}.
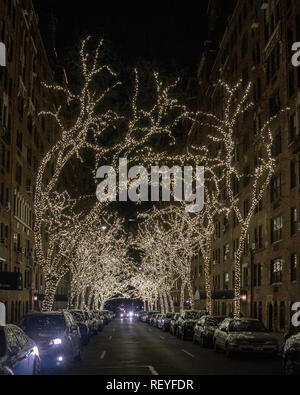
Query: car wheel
{"points": [[36, 367], [289, 367]]}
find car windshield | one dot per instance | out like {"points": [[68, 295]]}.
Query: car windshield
{"points": [[2, 342], [246, 326], [191, 315], [41, 323]]}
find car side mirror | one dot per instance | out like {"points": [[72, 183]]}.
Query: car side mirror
{"points": [[13, 351]]}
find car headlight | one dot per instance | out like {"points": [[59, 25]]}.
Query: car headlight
{"points": [[36, 351], [55, 342]]}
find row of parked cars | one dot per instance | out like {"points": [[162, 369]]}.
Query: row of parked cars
{"points": [[45, 341], [230, 335]]}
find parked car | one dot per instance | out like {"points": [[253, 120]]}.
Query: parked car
{"points": [[19, 355], [151, 319], [144, 317], [202, 313], [165, 321], [106, 316], [94, 323], [99, 320], [205, 329], [291, 353], [90, 322], [244, 335], [186, 324], [83, 324], [174, 324], [156, 320], [56, 335], [151, 315]]}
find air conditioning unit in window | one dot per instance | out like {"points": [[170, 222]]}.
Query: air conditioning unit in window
{"points": [[254, 246]]}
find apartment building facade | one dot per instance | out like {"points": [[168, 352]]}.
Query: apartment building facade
{"points": [[24, 139], [257, 47]]}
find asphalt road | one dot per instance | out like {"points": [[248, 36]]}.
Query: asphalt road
{"points": [[133, 348]]}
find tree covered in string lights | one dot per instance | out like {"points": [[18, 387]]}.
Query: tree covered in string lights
{"points": [[101, 269], [91, 120], [225, 133], [55, 211]]}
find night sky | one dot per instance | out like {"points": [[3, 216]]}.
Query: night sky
{"points": [[169, 37]]}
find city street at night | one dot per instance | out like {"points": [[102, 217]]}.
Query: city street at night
{"points": [[129, 347], [150, 191]]}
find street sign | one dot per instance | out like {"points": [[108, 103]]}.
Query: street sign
{"points": [[2, 314], [11, 281], [2, 55]]}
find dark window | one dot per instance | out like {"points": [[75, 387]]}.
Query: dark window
{"points": [[258, 237], [19, 174], [282, 315], [276, 229], [276, 188], [19, 140], [293, 174], [277, 145], [275, 103], [294, 267], [294, 221], [259, 275]]}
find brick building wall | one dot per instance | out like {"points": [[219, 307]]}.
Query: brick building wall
{"points": [[24, 139]]}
